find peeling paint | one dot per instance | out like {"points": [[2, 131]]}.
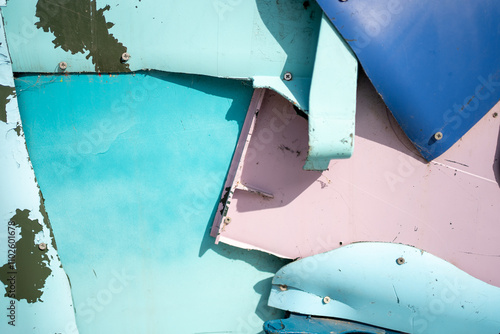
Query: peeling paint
{"points": [[46, 220], [78, 26], [28, 270], [6, 94], [18, 129]]}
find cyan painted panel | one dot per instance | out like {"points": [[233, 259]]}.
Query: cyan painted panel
{"points": [[132, 167]]}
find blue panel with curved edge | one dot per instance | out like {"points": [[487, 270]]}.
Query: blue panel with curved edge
{"points": [[298, 323], [435, 63]]}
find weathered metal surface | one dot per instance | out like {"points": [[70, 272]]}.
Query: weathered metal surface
{"points": [[261, 40], [35, 294], [314, 325], [132, 167], [332, 105], [435, 63], [385, 192], [364, 282], [258, 39]]}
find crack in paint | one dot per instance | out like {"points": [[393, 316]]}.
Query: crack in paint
{"points": [[78, 26], [29, 268]]}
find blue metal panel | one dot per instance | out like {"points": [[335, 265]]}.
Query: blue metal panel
{"points": [[435, 63], [132, 167], [391, 286], [314, 325]]}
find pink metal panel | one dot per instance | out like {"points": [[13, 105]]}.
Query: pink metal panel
{"points": [[385, 192]]}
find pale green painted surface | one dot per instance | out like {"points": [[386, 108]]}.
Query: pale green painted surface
{"points": [[332, 101]]}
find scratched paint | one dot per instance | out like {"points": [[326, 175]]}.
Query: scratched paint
{"points": [[28, 268], [81, 27], [6, 94]]}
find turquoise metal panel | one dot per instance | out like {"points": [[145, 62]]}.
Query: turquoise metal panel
{"points": [[332, 101], [388, 285], [132, 167]]}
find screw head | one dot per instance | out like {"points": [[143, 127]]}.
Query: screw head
{"points": [[326, 300], [287, 76], [63, 65], [495, 115], [400, 260], [438, 135], [227, 220], [283, 287], [125, 56], [42, 246]]}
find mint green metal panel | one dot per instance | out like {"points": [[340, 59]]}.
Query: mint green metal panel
{"points": [[332, 103], [274, 44], [220, 38]]}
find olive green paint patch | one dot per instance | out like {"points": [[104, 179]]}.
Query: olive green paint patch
{"points": [[46, 220], [78, 26], [18, 129], [6, 94], [25, 274]]}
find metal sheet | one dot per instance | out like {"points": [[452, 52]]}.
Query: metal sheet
{"points": [[391, 286], [332, 101], [385, 192], [131, 167], [435, 63], [35, 295], [274, 44], [316, 325], [258, 39]]}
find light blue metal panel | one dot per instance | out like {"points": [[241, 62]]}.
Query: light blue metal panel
{"points": [[132, 168], [332, 104], [35, 295], [435, 63], [220, 38], [391, 286]]}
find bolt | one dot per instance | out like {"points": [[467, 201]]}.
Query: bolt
{"points": [[400, 260], [227, 220], [342, 0], [283, 287], [287, 76], [438, 135], [495, 115], [125, 57], [326, 300], [42, 246], [63, 66]]}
